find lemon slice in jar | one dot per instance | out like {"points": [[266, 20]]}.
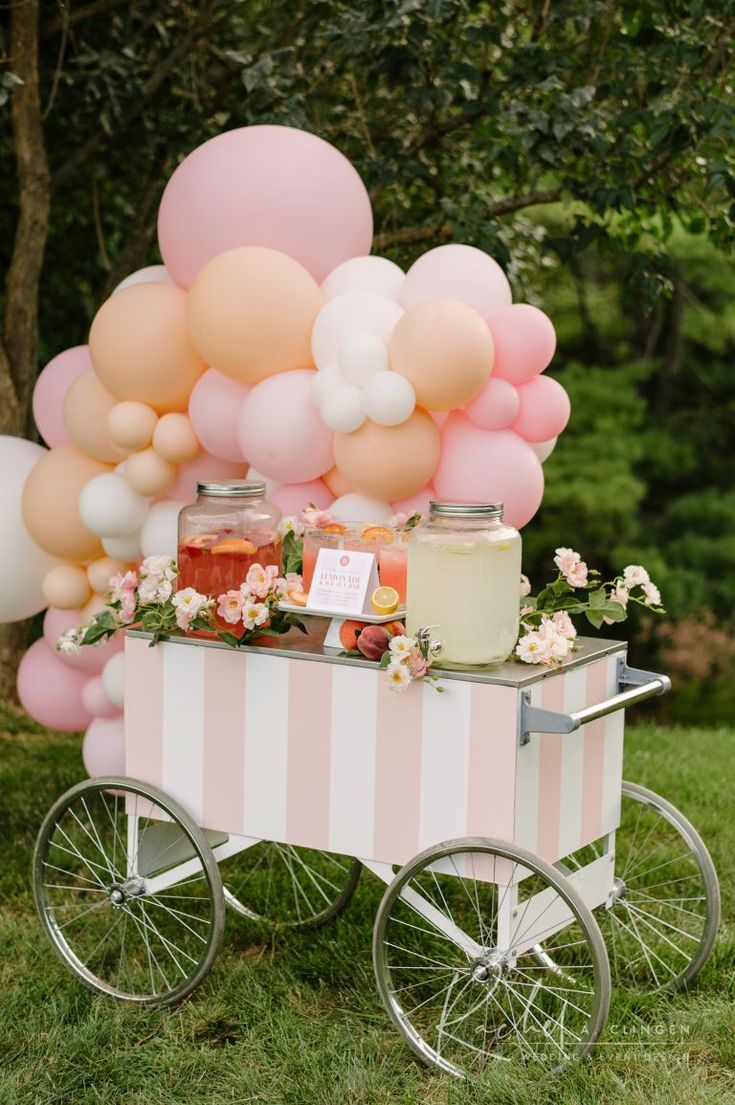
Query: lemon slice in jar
{"points": [[384, 600]]}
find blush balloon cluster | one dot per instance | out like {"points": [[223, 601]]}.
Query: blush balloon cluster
{"points": [[270, 343]]}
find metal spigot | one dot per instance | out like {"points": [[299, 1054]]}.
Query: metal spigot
{"points": [[434, 645]]}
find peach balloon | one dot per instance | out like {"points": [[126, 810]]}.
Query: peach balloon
{"points": [[389, 462], [140, 347], [50, 503], [148, 473], [87, 405], [66, 587], [131, 425], [95, 606], [174, 438], [336, 483], [446, 351], [251, 311], [100, 571]]}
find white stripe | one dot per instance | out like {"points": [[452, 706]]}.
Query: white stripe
{"points": [[266, 746], [612, 776], [445, 751], [527, 783], [572, 765], [352, 789], [183, 726]]}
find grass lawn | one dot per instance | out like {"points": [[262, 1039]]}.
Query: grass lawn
{"points": [[298, 1021]]}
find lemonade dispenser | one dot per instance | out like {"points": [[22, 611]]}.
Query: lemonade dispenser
{"points": [[464, 571]]}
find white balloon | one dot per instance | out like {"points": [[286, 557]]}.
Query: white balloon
{"points": [[348, 314], [359, 508], [544, 449], [326, 380], [113, 679], [123, 548], [364, 274], [160, 533], [389, 398], [343, 409], [361, 356], [103, 748], [151, 274], [22, 563], [270, 485], [109, 507]]}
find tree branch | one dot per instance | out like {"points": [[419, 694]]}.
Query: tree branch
{"points": [[78, 15]]}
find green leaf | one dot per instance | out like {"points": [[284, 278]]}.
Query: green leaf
{"points": [[229, 638], [598, 599], [594, 617], [385, 660]]}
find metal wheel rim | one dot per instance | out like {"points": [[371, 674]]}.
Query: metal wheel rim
{"points": [[598, 964], [176, 973], [314, 895]]}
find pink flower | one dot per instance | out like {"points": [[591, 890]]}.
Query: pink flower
{"points": [[525, 586], [578, 578], [635, 575], [292, 582], [127, 606], [229, 606], [417, 666], [572, 567], [188, 603], [121, 585], [564, 626], [398, 519], [652, 593], [257, 580], [526, 610], [619, 594], [557, 645], [317, 518]]}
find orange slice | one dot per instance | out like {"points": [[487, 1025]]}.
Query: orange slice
{"points": [[235, 545], [334, 527], [384, 600], [377, 533], [298, 598], [198, 540]]}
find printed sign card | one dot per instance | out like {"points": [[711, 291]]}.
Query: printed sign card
{"points": [[343, 582]]}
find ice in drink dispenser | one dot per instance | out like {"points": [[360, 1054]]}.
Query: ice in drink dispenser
{"points": [[229, 527], [464, 570]]}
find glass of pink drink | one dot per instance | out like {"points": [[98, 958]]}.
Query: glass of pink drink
{"points": [[393, 567]]}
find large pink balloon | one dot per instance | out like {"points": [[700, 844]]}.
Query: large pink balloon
{"points": [[202, 468], [457, 272], [281, 430], [214, 408], [264, 186], [50, 692], [496, 406], [51, 388], [525, 341], [92, 658], [486, 466], [418, 503], [293, 497], [544, 409], [103, 749], [96, 699]]}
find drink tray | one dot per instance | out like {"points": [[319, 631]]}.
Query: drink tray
{"points": [[371, 619]]}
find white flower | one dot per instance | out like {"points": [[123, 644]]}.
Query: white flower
{"points": [[254, 613], [400, 647], [652, 593], [635, 575], [290, 524], [190, 600], [162, 567], [564, 625], [532, 649], [558, 646], [620, 594], [155, 589], [68, 642], [398, 676], [525, 586]]}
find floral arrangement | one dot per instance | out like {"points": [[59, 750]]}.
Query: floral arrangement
{"points": [[406, 659], [147, 598], [547, 631]]}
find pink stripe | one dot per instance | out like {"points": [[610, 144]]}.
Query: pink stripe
{"points": [[492, 761], [549, 768], [224, 739], [309, 753], [594, 755], [143, 711], [397, 773]]}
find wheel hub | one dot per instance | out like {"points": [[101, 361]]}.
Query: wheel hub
{"points": [[619, 890], [488, 968], [121, 892]]}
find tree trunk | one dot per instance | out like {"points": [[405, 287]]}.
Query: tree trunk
{"points": [[18, 347]]}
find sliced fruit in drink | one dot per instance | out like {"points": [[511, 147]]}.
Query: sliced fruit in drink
{"points": [[235, 546], [377, 533], [333, 527], [198, 540], [298, 598], [384, 600]]}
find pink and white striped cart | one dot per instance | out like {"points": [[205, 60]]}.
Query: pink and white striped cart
{"points": [[521, 871]]}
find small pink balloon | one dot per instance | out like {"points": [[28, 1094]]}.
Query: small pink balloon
{"points": [[525, 342], [103, 749], [418, 503], [91, 658], [50, 391], [214, 408], [96, 701], [268, 186], [495, 407], [50, 692], [457, 272], [281, 429], [544, 409], [489, 466], [293, 497], [204, 468]]}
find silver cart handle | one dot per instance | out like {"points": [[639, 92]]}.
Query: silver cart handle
{"points": [[641, 684]]}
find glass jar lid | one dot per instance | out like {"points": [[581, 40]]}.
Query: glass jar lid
{"points": [[465, 510], [230, 488]]}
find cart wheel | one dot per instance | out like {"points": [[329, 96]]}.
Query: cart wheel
{"points": [[284, 886], [663, 919], [99, 847], [455, 962]]}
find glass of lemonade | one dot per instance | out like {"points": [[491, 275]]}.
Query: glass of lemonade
{"points": [[464, 571]]}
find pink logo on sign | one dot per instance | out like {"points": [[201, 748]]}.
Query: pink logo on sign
{"points": [[344, 561]]}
